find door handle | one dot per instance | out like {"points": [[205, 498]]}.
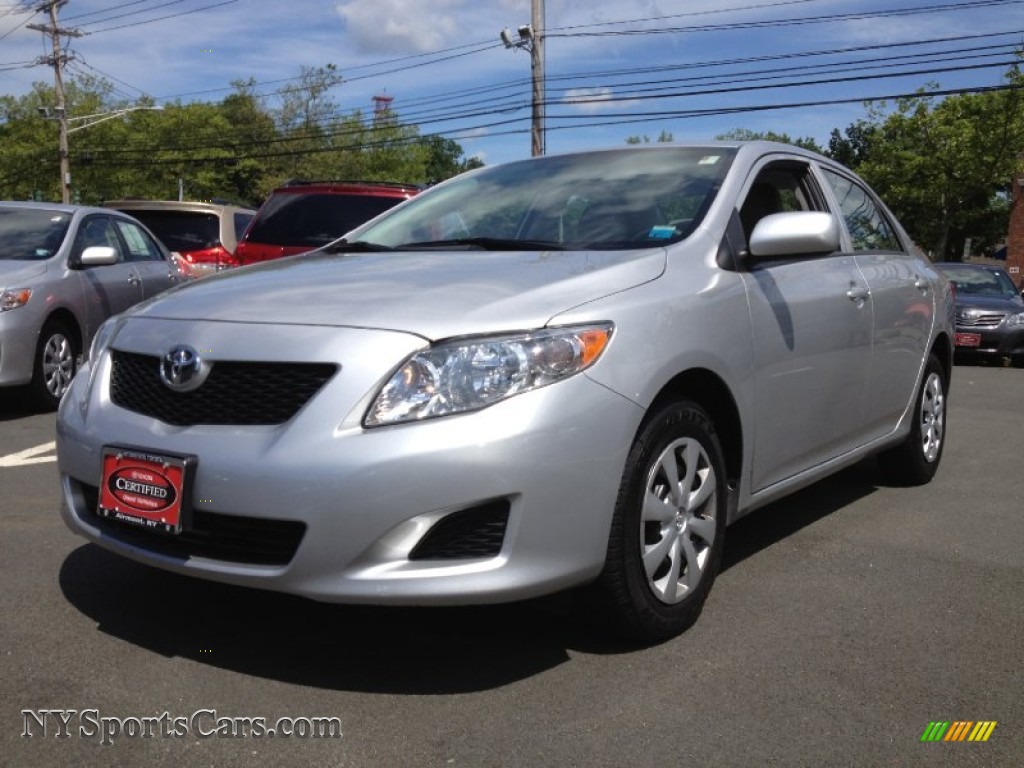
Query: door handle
{"points": [[922, 285], [134, 280], [858, 294]]}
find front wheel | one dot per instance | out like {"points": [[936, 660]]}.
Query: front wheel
{"points": [[55, 364], [915, 461], [668, 529]]}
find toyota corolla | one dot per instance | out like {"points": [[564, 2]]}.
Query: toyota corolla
{"points": [[567, 372]]}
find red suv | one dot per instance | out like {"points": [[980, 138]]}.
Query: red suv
{"points": [[305, 215]]}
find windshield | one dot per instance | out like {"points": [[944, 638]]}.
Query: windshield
{"points": [[31, 234], [982, 282], [620, 199]]}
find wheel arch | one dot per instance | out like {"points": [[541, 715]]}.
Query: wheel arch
{"points": [[942, 348], [66, 317], [708, 390]]}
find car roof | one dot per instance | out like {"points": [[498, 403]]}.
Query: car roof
{"points": [[61, 207], [382, 188], [198, 206]]}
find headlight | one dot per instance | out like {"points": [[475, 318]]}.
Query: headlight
{"points": [[14, 298], [468, 374], [1017, 319]]}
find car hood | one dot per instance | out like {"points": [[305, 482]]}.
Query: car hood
{"points": [[434, 294], [989, 303], [17, 274]]}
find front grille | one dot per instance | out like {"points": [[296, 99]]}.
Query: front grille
{"points": [[469, 533], [230, 538], [979, 319], [237, 393]]}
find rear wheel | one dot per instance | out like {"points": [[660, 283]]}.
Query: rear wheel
{"points": [[55, 364], [915, 461], [668, 529]]}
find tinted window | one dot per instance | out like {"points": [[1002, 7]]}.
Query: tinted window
{"points": [[140, 246], [241, 222], [182, 231], [31, 235], [869, 229], [314, 219]]}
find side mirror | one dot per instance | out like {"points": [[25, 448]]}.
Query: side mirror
{"points": [[98, 256], [796, 233]]}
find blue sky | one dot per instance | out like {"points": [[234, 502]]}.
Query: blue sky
{"points": [[614, 69]]}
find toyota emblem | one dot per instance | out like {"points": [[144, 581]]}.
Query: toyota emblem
{"points": [[182, 370]]}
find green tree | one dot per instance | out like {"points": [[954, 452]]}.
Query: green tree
{"points": [[852, 147], [944, 166]]}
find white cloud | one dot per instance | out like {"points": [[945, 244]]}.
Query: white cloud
{"points": [[401, 26], [591, 99]]}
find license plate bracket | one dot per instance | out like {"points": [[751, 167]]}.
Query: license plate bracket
{"points": [[146, 489], [968, 339]]}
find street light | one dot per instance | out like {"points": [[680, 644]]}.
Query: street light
{"points": [[59, 114]]}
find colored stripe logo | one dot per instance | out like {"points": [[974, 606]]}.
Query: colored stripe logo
{"points": [[959, 730]]}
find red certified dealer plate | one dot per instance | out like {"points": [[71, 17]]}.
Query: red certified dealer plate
{"points": [[145, 489], [968, 339]]}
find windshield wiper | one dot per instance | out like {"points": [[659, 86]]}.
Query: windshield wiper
{"points": [[356, 246], [488, 244]]}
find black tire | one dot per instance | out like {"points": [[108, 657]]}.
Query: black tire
{"points": [[648, 603], [56, 363], [916, 459]]}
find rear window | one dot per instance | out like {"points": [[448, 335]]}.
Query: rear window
{"points": [[313, 220], [182, 230]]}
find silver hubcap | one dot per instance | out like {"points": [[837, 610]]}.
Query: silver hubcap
{"points": [[933, 416], [677, 523], [58, 364]]}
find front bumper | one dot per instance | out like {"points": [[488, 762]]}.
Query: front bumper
{"points": [[553, 457], [1006, 341]]}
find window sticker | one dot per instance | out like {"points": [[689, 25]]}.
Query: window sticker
{"points": [[662, 232], [709, 159]]}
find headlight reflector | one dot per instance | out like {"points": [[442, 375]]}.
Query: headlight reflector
{"points": [[468, 374]]}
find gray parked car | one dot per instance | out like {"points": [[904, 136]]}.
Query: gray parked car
{"points": [[567, 372], [65, 269], [989, 313]]}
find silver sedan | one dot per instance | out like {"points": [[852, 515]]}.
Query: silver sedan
{"points": [[64, 269], [567, 372]]}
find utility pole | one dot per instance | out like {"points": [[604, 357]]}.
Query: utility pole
{"points": [[537, 69], [531, 37], [58, 59]]}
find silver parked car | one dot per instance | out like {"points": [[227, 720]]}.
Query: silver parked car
{"points": [[65, 269], [570, 371]]}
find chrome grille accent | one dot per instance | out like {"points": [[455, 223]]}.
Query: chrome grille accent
{"points": [[969, 319]]}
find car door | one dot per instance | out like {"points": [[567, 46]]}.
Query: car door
{"points": [[108, 288], [902, 293], [812, 326], [155, 271]]}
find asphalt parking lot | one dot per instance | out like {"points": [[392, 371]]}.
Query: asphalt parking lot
{"points": [[847, 619]]}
